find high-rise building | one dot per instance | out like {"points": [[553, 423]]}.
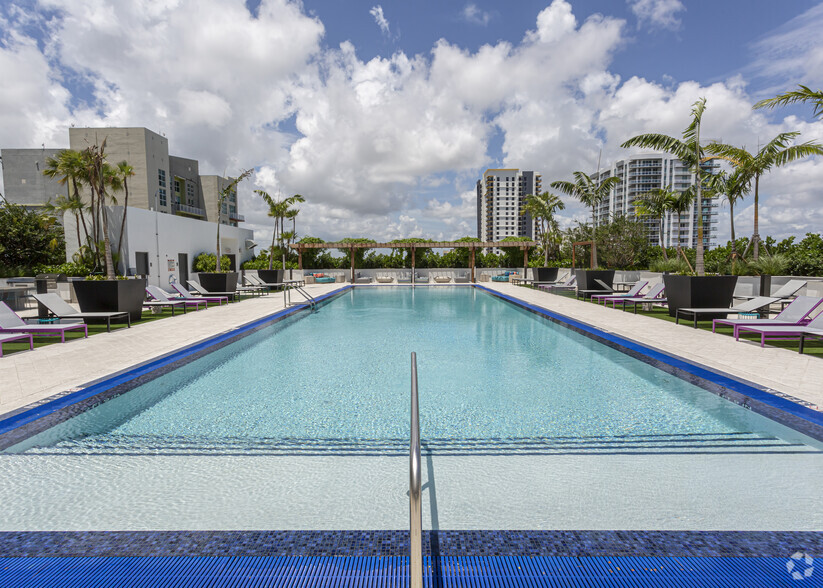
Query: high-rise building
{"points": [[643, 173], [501, 195]]}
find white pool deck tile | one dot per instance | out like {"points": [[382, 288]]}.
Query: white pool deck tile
{"points": [[32, 376]]}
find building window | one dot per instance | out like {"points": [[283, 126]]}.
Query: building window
{"points": [[161, 177], [190, 193], [161, 193]]}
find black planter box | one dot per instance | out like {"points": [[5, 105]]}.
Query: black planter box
{"points": [[111, 296], [544, 274], [271, 276], [219, 282], [586, 279], [699, 292]]}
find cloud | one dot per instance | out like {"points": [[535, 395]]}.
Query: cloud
{"points": [[660, 14], [791, 53], [383, 147], [380, 19], [472, 14]]}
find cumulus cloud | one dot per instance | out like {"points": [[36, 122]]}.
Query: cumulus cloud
{"points": [[660, 14], [380, 19], [472, 14], [383, 147]]}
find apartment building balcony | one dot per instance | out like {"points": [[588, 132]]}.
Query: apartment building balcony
{"points": [[186, 210], [237, 217]]}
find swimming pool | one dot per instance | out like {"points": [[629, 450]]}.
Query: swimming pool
{"points": [[525, 425]]}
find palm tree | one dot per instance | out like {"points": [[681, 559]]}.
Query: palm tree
{"points": [[542, 208], [126, 171], [656, 203], [775, 153], [590, 193], [68, 168], [99, 175], [688, 150], [733, 187], [64, 204], [803, 94], [221, 199]]}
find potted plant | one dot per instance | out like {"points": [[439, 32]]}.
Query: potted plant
{"points": [[96, 294], [690, 291], [586, 278]]}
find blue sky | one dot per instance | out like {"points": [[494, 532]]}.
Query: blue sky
{"points": [[384, 114]]}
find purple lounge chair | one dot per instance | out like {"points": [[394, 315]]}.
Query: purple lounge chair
{"points": [[186, 295], [784, 332], [635, 291], [794, 314], [653, 296], [10, 322], [161, 297], [9, 337]]}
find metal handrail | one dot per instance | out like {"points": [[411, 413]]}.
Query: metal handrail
{"points": [[415, 510]]}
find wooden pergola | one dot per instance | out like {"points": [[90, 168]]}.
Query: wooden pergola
{"points": [[472, 246]]}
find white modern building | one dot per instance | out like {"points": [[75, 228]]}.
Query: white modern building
{"points": [[501, 195], [643, 173], [172, 210]]}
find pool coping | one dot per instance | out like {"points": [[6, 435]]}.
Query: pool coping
{"points": [[760, 399]]}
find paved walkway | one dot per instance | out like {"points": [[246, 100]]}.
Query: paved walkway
{"points": [[29, 377]]}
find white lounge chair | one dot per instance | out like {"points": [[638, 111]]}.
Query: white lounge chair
{"points": [[753, 305], [61, 309]]}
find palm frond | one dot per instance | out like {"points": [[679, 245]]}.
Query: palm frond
{"points": [[804, 94]]}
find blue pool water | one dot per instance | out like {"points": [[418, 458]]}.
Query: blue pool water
{"points": [[259, 434]]}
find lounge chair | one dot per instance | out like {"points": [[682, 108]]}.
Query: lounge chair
{"points": [[9, 337], [784, 332], [61, 309], [205, 293], [786, 292], [257, 282], [569, 284], [160, 295], [633, 292], [10, 322], [753, 305], [603, 289], [558, 282], [794, 314], [653, 296], [404, 278], [461, 278], [384, 278], [185, 294], [361, 279], [421, 279], [442, 278]]}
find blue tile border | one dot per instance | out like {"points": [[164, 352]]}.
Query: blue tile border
{"points": [[746, 394], [396, 543], [29, 420]]}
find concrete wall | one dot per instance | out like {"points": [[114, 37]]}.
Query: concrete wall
{"points": [[164, 237], [23, 179]]}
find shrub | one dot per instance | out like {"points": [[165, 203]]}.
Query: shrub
{"points": [[207, 262]]}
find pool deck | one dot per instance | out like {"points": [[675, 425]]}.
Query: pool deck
{"points": [[30, 377]]}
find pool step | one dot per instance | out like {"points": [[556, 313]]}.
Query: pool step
{"points": [[253, 571], [685, 443]]}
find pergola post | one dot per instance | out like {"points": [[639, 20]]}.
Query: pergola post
{"points": [[299, 257], [414, 249], [471, 261], [525, 261], [352, 263]]}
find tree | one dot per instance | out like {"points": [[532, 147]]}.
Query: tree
{"points": [[542, 208], [279, 210], [733, 187], [803, 94], [64, 204], [688, 150], [775, 153], [68, 168], [126, 171], [100, 176], [590, 193], [221, 198], [29, 238], [681, 202], [656, 203]]}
